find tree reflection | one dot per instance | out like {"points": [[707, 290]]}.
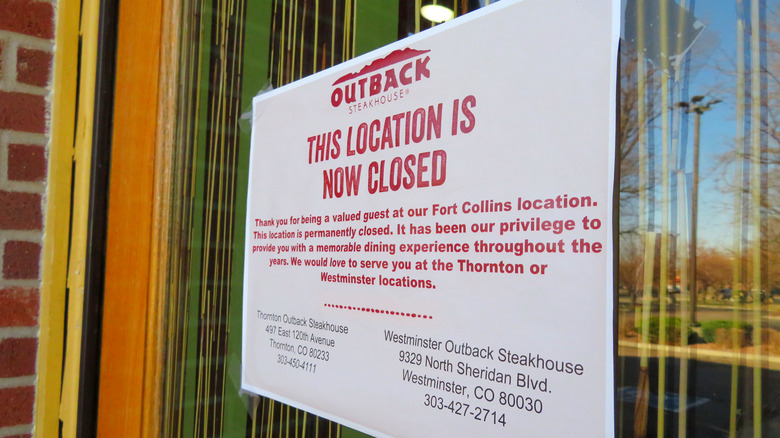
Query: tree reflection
{"points": [[663, 352]]}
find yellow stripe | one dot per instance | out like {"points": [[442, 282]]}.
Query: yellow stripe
{"points": [[755, 203], [647, 281], [294, 27], [80, 217], [289, 46], [282, 47], [664, 267], [255, 401], [417, 7], [682, 242], [303, 34], [736, 284], [57, 219], [354, 28], [316, 31]]}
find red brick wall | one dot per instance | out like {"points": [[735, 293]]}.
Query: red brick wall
{"points": [[26, 47]]}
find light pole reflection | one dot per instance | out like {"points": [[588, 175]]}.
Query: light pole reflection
{"points": [[697, 106]]}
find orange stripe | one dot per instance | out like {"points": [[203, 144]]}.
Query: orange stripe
{"points": [[130, 220]]}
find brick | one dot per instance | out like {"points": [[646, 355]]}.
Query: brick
{"points": [[16, 406], [21, 260], [17, 357], [33, 67], [20, 211], [19, 307], [26, 163], [30, 17], [22, 112], [24, 435]]}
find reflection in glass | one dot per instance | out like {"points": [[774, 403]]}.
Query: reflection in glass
{"points": [[698, 326]]}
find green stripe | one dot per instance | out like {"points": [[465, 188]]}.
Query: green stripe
{"points": [[376, 24]]}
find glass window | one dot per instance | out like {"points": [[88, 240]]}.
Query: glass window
{"points": [[697, 327], [698, 289]]}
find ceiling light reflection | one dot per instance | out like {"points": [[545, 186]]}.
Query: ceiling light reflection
{"points": [[437, 13]]}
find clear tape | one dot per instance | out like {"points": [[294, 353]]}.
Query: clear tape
{"points": [[250, 400], [247, 117], [234, 377]]}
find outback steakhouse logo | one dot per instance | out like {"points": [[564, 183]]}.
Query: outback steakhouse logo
{"points": [[401, 68]]}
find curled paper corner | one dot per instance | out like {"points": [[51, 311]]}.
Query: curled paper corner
{"points": [[246, 120]]}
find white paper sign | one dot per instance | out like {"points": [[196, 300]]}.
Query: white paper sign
{"points": [[428, 243]]}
